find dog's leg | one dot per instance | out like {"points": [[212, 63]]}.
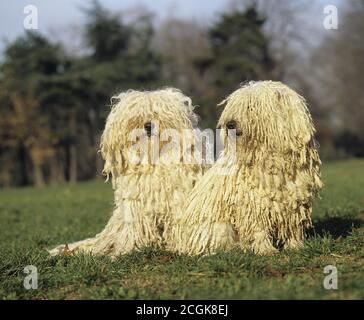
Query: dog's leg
{"points": [[128, 229], [103, 241], [262, 243], [296, 241], [205, 238], [298, 224], [72, 247], [293, 243]]}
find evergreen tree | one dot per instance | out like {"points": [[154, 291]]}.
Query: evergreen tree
{"points": [[238, 53], [28, 65], [239, 49], [121, 58]]}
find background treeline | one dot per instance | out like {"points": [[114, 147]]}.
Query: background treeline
{"points": [[54, 102]]}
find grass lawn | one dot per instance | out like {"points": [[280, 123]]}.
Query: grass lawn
{"points": [[34, 219]]}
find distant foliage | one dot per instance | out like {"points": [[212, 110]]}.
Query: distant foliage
{"points": [[54, 101], [350, 143], [53, 106]]}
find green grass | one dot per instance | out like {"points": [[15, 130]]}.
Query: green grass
{"points": [[34, 219]]}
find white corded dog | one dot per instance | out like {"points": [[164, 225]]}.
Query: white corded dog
{"points": [[261, 200], [149, 177]]}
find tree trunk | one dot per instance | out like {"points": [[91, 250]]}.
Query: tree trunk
{"points": [[73, 163], [73, 149], [95, 137], [56, 171], [23, 165], [37, 161], [38, 177], [5, 172]]}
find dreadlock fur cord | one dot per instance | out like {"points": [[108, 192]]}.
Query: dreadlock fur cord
{"points": [[261, 200], [146, 194]]}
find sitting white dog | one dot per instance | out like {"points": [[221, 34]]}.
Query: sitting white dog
{"points": [[147, 194], [260, 201]]}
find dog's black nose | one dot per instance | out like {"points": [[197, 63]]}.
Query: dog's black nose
{"points": [[231, 125], [148, 127]]}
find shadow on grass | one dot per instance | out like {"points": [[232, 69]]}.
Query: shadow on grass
{"points": [[335, 226]]}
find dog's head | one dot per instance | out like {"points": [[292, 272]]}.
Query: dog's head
{"points": [[267, 116], [139, 117]]}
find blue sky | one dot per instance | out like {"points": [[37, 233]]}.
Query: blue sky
{"points": [[57, 16], [60, 13]]}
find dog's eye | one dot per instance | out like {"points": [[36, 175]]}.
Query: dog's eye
{"points": [[231, 125], [148, 127]]}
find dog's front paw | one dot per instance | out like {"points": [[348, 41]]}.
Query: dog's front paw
{"points": [[293, 244], [62, 249], [262, 244], [265, 250]]}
